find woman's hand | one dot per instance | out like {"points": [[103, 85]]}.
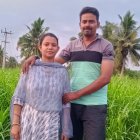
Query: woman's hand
{"points": [[15, 132]]}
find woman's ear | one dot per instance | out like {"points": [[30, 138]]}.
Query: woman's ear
{"points": [[58, 48], [39, 47]]}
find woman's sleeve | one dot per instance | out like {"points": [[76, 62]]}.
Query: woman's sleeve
{"points": [[67, 129], [66, 82], [19, 94]]}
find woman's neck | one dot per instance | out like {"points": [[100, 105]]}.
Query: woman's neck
{"points": [[47, 59]]}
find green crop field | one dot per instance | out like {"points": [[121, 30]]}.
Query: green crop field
{"points": [[8, 81], [124, 109], [123, 122]]}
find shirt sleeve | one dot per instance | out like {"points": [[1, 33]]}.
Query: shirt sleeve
{"points": [[108, 52], [66, 52]]}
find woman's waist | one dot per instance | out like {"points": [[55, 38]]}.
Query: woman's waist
{"points": [[47, 107]]}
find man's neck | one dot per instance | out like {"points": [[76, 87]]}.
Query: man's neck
{"points": [[87, 40]]}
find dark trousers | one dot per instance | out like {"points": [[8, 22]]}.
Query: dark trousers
{"points": [[88, 121]]}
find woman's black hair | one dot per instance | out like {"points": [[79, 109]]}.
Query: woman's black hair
{"points": [[47, 34]]}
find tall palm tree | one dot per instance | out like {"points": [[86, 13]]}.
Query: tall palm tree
{"points": [[110, 31], [125, 39], [28, 42], [127, 45], [79, 35], [73, 38]]}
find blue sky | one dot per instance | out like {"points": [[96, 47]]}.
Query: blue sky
{"points": [[61, 16]]}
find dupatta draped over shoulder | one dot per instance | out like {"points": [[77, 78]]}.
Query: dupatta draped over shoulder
{"points": [[42, 88]]}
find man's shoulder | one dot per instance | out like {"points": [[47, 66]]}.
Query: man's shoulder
{"points": [[104, 41], [75, 42]]}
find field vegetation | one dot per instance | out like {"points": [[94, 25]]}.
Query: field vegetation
{"points": [[123, 105]]}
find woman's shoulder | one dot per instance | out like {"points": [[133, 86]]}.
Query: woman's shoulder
{"points": [[38, 62]]}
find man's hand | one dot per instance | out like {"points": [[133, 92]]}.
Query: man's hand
{"points": [[15, 132], [70, 96], [64, 137], [29, 62]]}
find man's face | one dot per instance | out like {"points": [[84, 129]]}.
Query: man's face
{"points": [[89, 24]]}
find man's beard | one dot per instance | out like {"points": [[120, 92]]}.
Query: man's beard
{"points": [[87, 32]]}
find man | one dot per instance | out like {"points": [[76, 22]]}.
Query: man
{"points": [[92, 62]]}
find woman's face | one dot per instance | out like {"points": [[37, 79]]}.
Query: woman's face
{"points": [[49, 47]]}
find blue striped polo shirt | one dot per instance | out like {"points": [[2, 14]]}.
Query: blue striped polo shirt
{"points": [[85, 67]]}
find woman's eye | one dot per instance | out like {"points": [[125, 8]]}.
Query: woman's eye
{"points": [[54, 45], [46, 44]]}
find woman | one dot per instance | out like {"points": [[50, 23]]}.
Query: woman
{"points": [[36, 108]]}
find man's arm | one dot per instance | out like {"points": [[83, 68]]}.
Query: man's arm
{"points": [[60, 60], [104, 78], [31, 60], [27, 63], [63, 57]]}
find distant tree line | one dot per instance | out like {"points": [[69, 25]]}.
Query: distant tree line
{"points": [[11, 62], [123, 36]]}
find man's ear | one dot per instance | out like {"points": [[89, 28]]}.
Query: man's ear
{"points": [[98, 24], [80, 24]]}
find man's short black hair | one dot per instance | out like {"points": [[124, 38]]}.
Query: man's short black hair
{"points": [[91, 10]]}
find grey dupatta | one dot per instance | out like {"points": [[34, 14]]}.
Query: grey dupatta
{"points": [[42, 88]]}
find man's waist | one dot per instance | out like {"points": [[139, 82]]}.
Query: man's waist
{"points": [[92, 99]]}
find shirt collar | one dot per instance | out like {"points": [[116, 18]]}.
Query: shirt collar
{"points": [[97, 37]]}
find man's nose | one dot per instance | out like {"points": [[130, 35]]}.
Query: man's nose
{"points": [[87, 23]]}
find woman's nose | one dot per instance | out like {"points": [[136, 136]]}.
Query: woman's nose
{"points": [[50, 46]]}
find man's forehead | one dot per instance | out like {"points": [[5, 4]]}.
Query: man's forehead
{"points": [[88, 16]]}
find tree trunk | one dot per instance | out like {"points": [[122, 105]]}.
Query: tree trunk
{"points": [[118, 61], [123, 67]]}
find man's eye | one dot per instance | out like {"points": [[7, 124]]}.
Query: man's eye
{"points": [[91, 21], [84, 21]]}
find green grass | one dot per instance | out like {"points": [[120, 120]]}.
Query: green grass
{"points": [[124, 109], [123, 121], [8, 81]]}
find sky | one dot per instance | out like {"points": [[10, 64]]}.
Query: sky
{"points": [[61, 16]]}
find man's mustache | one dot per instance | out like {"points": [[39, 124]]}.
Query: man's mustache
{"points": [[87, 28]]}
